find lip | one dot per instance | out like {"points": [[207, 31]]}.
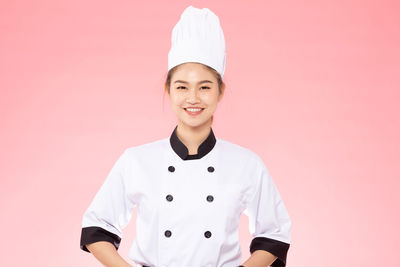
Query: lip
{"points": [[193, 114]]}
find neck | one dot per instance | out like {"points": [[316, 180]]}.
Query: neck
{"points": [[192, 137]]}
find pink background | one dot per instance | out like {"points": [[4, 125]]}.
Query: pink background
{"points": [[312, 87]]}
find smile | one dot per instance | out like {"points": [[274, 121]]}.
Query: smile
{"points": [[193, 111]]}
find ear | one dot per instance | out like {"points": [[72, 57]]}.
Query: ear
{"points": [[221, 95], [166, 91]]}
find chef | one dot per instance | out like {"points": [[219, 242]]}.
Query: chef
{"points": [[190, 188]]}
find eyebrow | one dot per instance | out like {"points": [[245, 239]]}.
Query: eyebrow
{"points": [[204, 81]]}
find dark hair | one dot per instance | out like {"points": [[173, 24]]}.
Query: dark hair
{"points": [[167, 84]]}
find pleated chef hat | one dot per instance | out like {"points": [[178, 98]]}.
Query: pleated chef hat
{"points": [[198, 37]]}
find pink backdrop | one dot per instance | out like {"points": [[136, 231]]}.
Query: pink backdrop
{"points": [[312, 87]]}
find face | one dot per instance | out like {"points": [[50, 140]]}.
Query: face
{"points": [[194, 86]]}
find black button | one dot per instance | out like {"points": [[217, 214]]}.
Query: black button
{"points": [[207, 234], [171, 168], [210, 169], [167, 233], [210, 198], [169, 198]]}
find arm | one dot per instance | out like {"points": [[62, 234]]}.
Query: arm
{"points": [[269, 221], [106, 253], [260, 258], [108, 213]]}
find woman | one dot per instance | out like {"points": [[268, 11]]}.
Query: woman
{"points": [[190, 188]]}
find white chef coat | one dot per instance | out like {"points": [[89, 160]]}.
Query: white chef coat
{"points": [[189, 206]]}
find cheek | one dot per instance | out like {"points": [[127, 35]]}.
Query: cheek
{"points": [[177, 105], [176, 100], [211, 100]]}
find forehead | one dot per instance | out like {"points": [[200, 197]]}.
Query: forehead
{"points": [[193, 72]]}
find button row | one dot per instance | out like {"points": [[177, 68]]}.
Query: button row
{"points": [[168, 233], [209, 198], [172, 169]]}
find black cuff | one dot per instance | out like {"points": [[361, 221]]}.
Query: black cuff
{"points": [[276, 247], [94, 234]]}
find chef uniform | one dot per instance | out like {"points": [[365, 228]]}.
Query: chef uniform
{"points": [[189, 206]]}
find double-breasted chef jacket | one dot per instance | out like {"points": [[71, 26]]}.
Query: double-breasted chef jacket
{"points": [[189, 206]]}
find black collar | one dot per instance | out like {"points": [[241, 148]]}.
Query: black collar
{"points": [[206, 146]]}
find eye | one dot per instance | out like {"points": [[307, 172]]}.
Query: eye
{"points": [[206, 87], [180, 87]]}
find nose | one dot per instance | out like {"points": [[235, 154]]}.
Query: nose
{"points": [[192, 96]]}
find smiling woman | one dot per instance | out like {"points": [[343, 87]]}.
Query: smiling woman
{"points": [[194, 85], [191, 187]]}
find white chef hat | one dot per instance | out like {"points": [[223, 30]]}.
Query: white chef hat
{"points": [[198, 37]]}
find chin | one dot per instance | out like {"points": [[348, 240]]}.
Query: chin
{"points": [[194, 123]]}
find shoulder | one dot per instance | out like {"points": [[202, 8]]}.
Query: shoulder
{"points": [[239, 152], [150, 148]]}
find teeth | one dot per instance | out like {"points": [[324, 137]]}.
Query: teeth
{"points": [[193, 109]]}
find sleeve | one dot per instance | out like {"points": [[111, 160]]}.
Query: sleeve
{"points": [[110, 210], [269, 221]]}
